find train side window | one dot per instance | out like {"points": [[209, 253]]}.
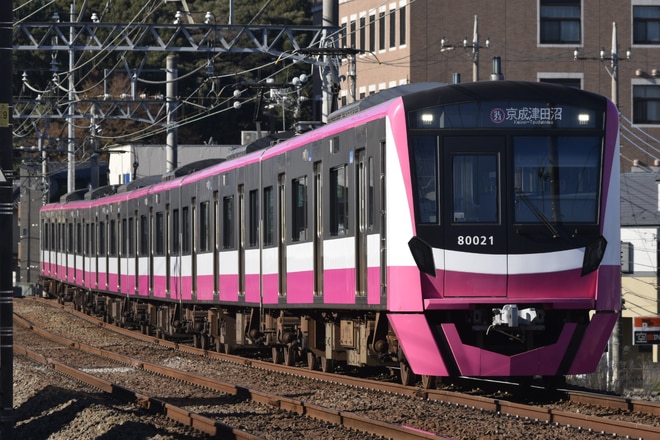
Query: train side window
{"points": [[79, 239], [44, 237], [174, 240], [131, 237], [69, 238], [253, 219], [144, 236], [299, 208], [370, 193], [269, 216], [53, 237], [338, 201], [102, 239], [186, 232], [204, 222], [425, 152], [160, 234], [88, 244], [228, 222], [92, 240], [123, 251], [113, 238]]}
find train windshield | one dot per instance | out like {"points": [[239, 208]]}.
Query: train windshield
{"points": [[556, 179]]}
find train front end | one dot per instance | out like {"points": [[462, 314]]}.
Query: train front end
{"points": [[512, 263]]}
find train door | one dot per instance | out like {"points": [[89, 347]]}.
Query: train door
{"points": [[474, 223], [241, 240], [361, 223], [318, 230], [217, 233], [281, 240]]}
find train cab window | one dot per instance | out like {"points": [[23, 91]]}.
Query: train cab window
{"points": [[425, 152], [204, 224], [269, 216], [475, 188], [228, 222], [338, 201], [160, 234], [557, 179], [299, 209]]}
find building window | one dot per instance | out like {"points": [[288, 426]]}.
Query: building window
{"points": [[353, 37], [402, 26], [646, 24], [372, 33], [393, 28], [568, 82], [344, 35], [363, 29], [646, 104], [560, 22], [381, 30]]}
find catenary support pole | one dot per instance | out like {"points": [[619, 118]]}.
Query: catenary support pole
{"points": [[6, 221]]}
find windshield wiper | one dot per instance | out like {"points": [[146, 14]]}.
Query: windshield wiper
{"points": [[538, 213]]}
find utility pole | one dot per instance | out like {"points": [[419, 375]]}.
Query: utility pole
{"points": [[172, 104], [71, 145], [475, 46], [614, 344], [6, 225]]}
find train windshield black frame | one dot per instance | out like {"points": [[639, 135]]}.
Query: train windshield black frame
{"points": [[556, 179]]}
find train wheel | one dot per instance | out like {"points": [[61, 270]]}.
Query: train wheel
{"points": [[407, 375], [289, 356], [428, 382], [312, 361], [277, 355]]}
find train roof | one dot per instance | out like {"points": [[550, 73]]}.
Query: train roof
{"points": [[381, 97]]}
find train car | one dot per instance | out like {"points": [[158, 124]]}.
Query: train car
{"points": [[467, 229]]}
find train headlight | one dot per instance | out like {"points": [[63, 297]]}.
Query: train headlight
{"points": [[593, 255]]}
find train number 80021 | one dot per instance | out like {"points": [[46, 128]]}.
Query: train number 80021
{"points": [[475, 240]]}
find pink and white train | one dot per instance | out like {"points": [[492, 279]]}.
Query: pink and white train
{"points": [[468, 229]]}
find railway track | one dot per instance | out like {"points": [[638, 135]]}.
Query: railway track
{"points": [[93, 365], [574, 424]]}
